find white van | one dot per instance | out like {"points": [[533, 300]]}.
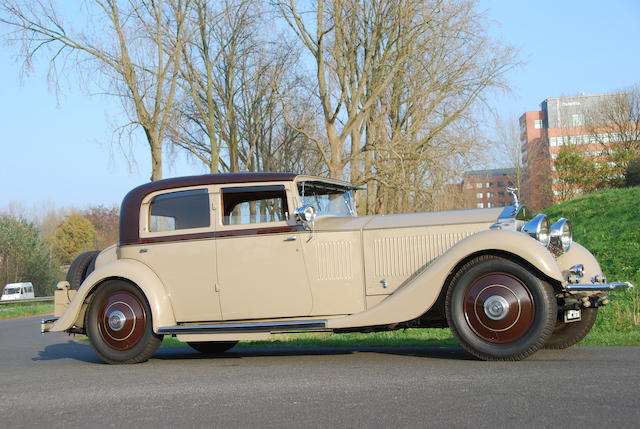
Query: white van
{"points": [[17, 291]]}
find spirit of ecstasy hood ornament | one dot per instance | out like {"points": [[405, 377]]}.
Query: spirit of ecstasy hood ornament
{"points": [[512, 190]]}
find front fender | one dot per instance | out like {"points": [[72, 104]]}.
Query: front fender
{"points": [[414, 298], [129, 269], [579, 255]]}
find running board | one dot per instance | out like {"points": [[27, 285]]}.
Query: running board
{"points": [[232, 328]]}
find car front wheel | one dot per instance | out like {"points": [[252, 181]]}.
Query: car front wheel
{"points": [[118, 324], [500, 310], [567, 334]]}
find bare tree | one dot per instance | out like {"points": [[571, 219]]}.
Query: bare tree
{"points": [[509, 147], [396, 80], [428, 116], [208, 79], [234, 84], [353, 46], [614, 124], [127, 42], [268, 143]]}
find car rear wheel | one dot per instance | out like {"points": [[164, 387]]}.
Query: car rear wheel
{"points": [[119, 324], [568, 334], [500, 310], [211, 347]]}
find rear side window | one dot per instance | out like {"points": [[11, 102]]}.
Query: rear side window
{"points": [[254, 204], [179, 210]]}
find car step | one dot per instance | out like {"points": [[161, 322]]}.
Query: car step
{"points": [[230, 328]]}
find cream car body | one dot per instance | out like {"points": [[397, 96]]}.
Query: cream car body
{"points": [[224, 258]]}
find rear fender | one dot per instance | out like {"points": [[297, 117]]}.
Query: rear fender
{"points": [[418, 295], [127, 269]]}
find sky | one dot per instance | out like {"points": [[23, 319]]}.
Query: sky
{"points": [[59, 150]]}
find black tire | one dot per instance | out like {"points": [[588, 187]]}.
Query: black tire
{"points": [[499, 310], [118, 324], [568, 334], [211, 347], [81, 267]]}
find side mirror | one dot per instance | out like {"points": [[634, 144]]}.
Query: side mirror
{"points": [[305, 214]]}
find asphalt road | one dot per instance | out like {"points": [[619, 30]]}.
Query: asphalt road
{"points": [[51, 381]]}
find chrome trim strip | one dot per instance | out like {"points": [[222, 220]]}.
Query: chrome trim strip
{"points": [[229, 328], [598, 287]]}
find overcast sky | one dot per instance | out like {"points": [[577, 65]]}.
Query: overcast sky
{"points": [[59, 150]]}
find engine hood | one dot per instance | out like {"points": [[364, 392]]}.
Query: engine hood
{"points": [[405, 220]]}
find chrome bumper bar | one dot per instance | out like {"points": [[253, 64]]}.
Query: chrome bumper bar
{"points": [[597, 287], [46, 324]]}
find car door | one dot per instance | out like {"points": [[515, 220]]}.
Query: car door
{"points": [[177, 230], [261, 270]]}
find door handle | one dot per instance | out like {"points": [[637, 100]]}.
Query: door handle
{"points": [[292, 238]]}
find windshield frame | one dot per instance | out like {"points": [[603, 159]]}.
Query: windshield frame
{"points": [[338, 189]]}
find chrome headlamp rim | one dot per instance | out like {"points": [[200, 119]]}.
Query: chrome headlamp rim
{"points": [[306, 213], [538, 228], [561, 235]]}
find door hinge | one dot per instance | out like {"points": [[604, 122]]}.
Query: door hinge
{"points": [[216, 287]]}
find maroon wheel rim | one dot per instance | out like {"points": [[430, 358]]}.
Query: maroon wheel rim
{"points": [[499, 308], [122, 320]]}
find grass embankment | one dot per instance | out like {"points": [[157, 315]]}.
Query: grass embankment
{"points": [[608, 224], [23, 309]]}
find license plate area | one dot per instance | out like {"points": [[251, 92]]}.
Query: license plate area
{"points": [[572, 316]]}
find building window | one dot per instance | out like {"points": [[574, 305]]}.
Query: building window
{"points": [[489, 205], [469, 186], [489, 185], [537, 123], [479, 195], [478, 185], [501, 185], [480, 205], [501, 193], [489, 194], [577, 119]]}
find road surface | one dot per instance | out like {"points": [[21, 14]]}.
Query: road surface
{"points": [[53, 381]]}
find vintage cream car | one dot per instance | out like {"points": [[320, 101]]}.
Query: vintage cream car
{"points": [[220, 258]]}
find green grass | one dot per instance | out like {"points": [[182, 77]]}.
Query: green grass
{"points": [[401, 338], [24, 309], [608, 224]]}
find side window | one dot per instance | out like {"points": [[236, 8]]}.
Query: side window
{"points": [[179, 210], [254, 204]]}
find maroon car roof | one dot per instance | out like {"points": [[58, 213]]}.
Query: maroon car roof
{"points": [[130, 208]]}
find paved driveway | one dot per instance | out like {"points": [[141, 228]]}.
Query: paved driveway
{"points": [[51, 381]]}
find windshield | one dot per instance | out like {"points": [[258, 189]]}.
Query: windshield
{"points": [[327, 198]]}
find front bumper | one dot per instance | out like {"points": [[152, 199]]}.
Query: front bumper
{"points": [[597, 287]]}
